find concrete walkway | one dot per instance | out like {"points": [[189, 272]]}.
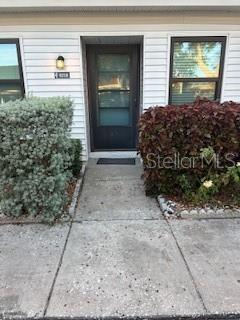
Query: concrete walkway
{"points": [[119, 258]]}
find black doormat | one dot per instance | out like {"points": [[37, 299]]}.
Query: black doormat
{"points": [[129, 161]]}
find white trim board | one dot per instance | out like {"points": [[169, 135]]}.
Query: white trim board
{"points": [[121, 4], [68, 31]]}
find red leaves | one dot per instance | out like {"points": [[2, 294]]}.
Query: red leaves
{"points": [[185, 130]]}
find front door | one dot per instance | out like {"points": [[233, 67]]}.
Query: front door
{"points": [[113, 87]]}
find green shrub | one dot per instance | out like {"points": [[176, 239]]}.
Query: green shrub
{"points": [[76, 154], [191, 150], [34, 156]]}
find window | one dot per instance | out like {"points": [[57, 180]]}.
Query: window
{"points": [[196, 68], [11, 78]]}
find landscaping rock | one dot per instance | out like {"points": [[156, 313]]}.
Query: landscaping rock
{"points": [[174, 210]]}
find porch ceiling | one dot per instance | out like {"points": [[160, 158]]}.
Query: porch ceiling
{"points": [[121, 6]]}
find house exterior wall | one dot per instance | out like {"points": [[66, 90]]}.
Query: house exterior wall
{"points": [[42, 43]]}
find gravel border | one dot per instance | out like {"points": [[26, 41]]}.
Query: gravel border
{"points": [[174, 210]]}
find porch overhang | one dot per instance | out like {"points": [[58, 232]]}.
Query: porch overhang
{"points": [[121, 6]]}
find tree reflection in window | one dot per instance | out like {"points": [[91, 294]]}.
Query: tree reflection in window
{"points": [[198, 60]]}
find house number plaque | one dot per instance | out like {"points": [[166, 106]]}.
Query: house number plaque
{"points": [[62, 75]]}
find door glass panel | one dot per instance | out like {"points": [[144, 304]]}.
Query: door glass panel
{"points": [[9, 92], [111, 117], [113, 81], [111, 99], [187, 92], [113, 84], [196, 59], [113, 62], [9, 68]]}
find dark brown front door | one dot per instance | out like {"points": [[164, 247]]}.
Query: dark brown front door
{"points": [[113, 87]]}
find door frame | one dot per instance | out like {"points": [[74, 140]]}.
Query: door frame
{"points": [[91, 76]]}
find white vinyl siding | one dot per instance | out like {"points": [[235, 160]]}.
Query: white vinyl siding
{"points": [[42, 44], [231, 81], [40, 53], [155, 70]]}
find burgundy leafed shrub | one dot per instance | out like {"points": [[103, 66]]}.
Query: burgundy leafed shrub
{"points": [[173, 138]]}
